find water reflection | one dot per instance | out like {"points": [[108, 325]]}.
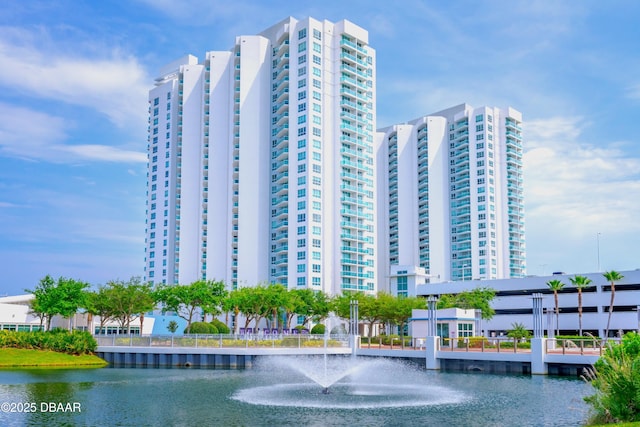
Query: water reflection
{"points": [[146, 397]]}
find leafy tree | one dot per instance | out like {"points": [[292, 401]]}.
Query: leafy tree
{"points": [[398, 310], [72, 294], [249, 301], [231, 304], [299, 302], [185, 300], [275, 298], [99, 303], [320, 306], [478, 299], [613, 277], [371, 308], [130, 300], [312, 305], [555, 285], [43, 304], [580, 282], [342, 303], [52, 298]]}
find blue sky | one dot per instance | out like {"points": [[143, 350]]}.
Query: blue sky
{"points": [[74, 77]]}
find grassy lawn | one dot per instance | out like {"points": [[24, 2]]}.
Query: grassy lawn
{"points": [[15, 358]]}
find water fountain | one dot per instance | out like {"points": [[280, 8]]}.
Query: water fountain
{"points": [[343, 383]]}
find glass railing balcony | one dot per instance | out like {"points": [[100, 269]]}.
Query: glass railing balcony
{"points": [[357, 202], [345, 126], [351, 249], [356, 226], [277, 200], [345, 42], [350, 80]]}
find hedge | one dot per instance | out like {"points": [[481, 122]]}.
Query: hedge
{"points": [[76, 342]]}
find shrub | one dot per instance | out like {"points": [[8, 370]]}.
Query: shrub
{"points": [[518, 330], [76, 342], [318, 329], [616, 378], [202, 328], [509, 344], [221, 326], [476, 342]]}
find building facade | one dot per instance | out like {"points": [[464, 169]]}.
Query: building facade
{"points": [[513, 303], [451, 198], [261, 162]]}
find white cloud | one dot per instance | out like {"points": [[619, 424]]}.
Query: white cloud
{"points": [[111, 82], [633, 92], [33, 135], [106, 153], [574, 187]]}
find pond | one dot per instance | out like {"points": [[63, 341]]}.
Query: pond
{"points": [[276, 392]]}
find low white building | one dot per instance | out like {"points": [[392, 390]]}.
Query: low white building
{"points": [[513, 303], [16, 315], [451, 323]]}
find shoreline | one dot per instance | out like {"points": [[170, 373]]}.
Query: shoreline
{"points": [[19, 358]]}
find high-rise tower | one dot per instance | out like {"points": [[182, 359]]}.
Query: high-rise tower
{"points": [[261, 162], [451, 205]]}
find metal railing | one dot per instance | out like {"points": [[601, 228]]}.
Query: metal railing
{"points": [[224, 341], [484, 344], [583, 346]]}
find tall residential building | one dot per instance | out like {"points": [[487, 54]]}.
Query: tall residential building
{"points": [[451, 198], [261, 162]]}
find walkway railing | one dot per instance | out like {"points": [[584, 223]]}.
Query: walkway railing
{"points": [[224, 341], [575, 346], [588, 346], [483, 344]]}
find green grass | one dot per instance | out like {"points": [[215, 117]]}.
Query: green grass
{"points": [[16, 358]]}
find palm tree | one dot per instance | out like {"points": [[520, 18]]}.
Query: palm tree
{"points": [[612, 276], [580, 282], [555, 285]]}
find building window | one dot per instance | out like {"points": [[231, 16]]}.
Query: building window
{"points": [[465, 330], [302, 33]]}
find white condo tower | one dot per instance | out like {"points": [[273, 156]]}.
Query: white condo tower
{"points": [[451, 198], [261, 162]]}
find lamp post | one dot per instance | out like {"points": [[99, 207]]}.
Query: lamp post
{"points": [[432, 302], [353, 326], [598, 249]]}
